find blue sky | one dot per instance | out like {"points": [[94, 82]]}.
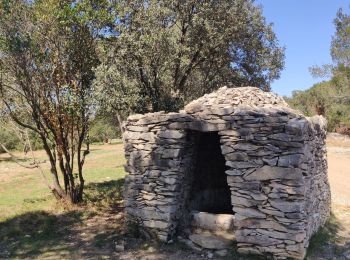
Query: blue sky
{"points": [[305, 28]]}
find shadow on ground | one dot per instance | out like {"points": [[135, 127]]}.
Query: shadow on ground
{"points": [[36, 233], [83, 231], [327, 243], [93, 229], [10, 159], [105, 195]]}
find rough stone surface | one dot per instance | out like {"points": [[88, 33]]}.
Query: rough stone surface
{"points": [[210, 241], [277, 172], [214, 222], [270, 173], [222, 252], [347, 254]]}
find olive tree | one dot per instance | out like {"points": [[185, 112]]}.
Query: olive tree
{"points": [[168, 52]]}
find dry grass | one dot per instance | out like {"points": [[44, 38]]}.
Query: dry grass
{"points": [[23, 190], [34, 225]]}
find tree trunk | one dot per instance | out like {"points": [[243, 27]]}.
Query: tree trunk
{"points": [[120, 123]]}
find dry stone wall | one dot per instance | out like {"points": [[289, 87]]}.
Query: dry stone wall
{"points": [[158, 162], [276, 169]]}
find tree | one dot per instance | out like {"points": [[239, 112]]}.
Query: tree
{"points": [[322, 99], [339, 71], [340, 52], [103, 128], [340, 47], [164, 53], [47, 55], [117, 95], [331, 98]]}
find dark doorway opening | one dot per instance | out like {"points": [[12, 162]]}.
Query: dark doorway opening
{"points": [[210, 191]]}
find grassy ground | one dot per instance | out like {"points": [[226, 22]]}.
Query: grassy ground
{"points": [[34, 226], [23, 190]]}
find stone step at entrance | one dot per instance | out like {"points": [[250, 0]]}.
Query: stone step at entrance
{"points": [[212, 231], [213, 222], [210, 241]]}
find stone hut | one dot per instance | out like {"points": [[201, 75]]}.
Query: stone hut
{"points": [[235, 165]]}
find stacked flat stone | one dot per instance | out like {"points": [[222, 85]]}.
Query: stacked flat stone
{"points": [[232, 97], [277, 169]]}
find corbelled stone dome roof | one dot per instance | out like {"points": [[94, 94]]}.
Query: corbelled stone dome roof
{"points": [[232, 97]]}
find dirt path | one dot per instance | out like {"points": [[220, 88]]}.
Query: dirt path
{"points": [[339, 175]]}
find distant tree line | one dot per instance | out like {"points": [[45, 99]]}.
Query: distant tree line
{"points": [[331, 98], [102, 130]]}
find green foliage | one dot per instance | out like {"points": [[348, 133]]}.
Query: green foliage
{"points": [[10, 141], [116, 92], [102, 130], [323, 99], [164, 53], [340, 48], [35, 141]]}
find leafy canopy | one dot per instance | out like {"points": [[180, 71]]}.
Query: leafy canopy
{"points": [[160, 54]]}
